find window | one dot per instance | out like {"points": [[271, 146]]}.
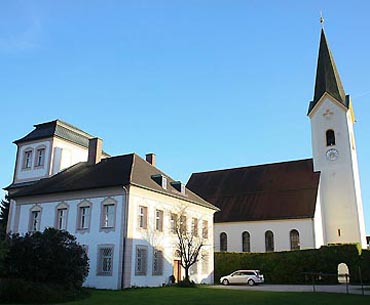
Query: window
{"points": [[223, 242], [40, 157], [246, 241], [269, 241], [105, 260], [35, 218], [143, 215], [84, 215], [194, 227], [141, 260], [330, 137], [173, 223], [159, 220], [205, 229], [27, 159], [182, 224], [61, 218], [294, 240], [157, 262], [108, 213], [205, 262]]}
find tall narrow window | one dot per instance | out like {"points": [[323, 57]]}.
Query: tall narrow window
{"points": [[330, 137], [157, 262], [108, 213], [205, 229], [84, 215], [294, 240], [62, 218], [194, 227], [173, 223], [205, 262], [223, 242], [105, 260], [159, 220], [269, 241], [40, 157], [35, 219], [182, 224], [143, 217], [246, 241], [27, 159], [141, 260]]}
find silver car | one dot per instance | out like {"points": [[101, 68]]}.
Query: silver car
{"points": [[250, 277]]}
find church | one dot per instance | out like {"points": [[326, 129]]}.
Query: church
{"points": [[123, 209], [298, 204]]}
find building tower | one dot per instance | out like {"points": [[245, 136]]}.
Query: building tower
{"points": [[334, 154]]}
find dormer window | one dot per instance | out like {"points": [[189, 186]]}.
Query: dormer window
{"points": [[330, 137], [180, 187], [161, 180], [27, 159], [40, 157]]}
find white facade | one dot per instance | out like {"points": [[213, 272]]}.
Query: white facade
{"points": [[340, 192]]}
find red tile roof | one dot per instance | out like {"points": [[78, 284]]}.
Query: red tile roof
{"points": [[286, 190]]}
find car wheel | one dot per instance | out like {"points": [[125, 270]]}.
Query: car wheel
{"points": [[251, 282], [225, 282]]}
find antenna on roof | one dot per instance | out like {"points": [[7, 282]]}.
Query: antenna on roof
{"points": [[322, 20]]}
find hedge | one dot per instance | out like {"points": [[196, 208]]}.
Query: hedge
{"points": [[295, 267]]}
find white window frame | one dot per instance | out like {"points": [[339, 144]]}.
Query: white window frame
{"points": [[40, 156], [83, 218], [35, 218], [141, 260], [27, 158], [159, 220], [108, 214], [157, 262], [104, 258], [194, 226], [142, 217], [61, 221], [173, 223], [205, 232]]}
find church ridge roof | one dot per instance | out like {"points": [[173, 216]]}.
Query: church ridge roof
{"points": [[327, 76]]}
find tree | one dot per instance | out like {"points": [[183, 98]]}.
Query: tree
{"points": [[4, 213], [189, 244], [52, 256]]}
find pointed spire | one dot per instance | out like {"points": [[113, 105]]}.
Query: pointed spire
{"points": [[327, 76]]}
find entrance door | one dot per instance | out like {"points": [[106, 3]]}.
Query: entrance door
{"points": [[177, 270]]}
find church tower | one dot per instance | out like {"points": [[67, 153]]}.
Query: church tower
{"points": [[334, 154]]}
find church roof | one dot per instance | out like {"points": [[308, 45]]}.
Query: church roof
{"points": [[286, 190], [122, 170], [327, 76]]}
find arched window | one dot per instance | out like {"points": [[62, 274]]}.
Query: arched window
{"points": [[223, 242], [330, 137], [246, 241], [294, 240], [269, 241]]}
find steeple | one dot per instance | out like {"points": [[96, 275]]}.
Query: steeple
{"points": [[327, 76]]}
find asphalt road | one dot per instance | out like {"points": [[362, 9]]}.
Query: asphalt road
{"points": [[300, 288]]}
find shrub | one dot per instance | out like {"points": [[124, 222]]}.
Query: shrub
{"points": [[294, 267], [52, 257]]}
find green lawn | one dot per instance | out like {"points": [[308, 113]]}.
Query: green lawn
{"points": [[208, 296]]}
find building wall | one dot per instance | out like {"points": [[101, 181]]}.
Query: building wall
{"points": [[280, 228], [165, 241], [341, 199], [92, 238]]}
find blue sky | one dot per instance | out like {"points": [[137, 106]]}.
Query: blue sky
{"points": [[204, 84]]}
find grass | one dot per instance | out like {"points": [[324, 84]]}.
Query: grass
{"points": [[208, 296]]}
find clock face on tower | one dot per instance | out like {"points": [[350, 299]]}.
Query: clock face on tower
{"points": [[332, 154]]}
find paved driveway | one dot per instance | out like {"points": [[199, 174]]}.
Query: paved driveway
{"points": [[299, 288]]}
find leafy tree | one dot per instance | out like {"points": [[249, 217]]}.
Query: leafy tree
{"points": [[52, 256], [4, 213], [189, 244]]}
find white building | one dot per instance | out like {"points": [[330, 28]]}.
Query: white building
{"points": [[122, 209], [299, 204]]}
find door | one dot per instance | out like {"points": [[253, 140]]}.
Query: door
{"points": [[177, 270]]}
